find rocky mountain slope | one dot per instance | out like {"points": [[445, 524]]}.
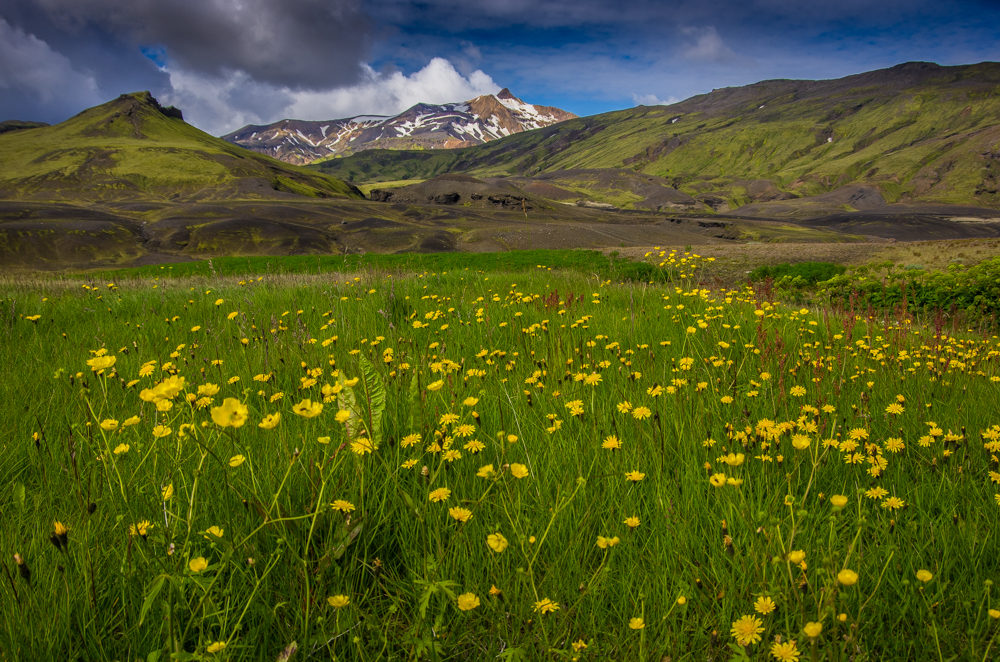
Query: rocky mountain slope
{"points": [[913, 133], [424, 126]]}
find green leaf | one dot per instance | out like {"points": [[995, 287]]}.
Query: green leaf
{"points": [[151, 595], [345, 536], [374, 392], [19, 495]]}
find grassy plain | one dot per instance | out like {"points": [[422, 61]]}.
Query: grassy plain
{"points": [[462, 464]]}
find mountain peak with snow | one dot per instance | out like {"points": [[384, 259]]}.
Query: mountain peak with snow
{"points": [[423, 126]]}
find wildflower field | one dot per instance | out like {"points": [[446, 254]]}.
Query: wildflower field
{"points": [[532, 465]]}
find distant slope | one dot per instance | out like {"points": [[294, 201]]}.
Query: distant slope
{"points": [[132, 149], [916, 132], [424, 126], [19, 125]]}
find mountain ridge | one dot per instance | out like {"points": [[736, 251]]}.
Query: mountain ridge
{"points": [[423, 126], [917, 132]]}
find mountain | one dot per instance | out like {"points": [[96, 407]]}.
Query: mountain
{"points": [[424, 126], [133, 149], [18, 125], [916, 133]]}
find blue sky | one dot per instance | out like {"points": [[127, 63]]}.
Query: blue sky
{"points": [[228, 63]]}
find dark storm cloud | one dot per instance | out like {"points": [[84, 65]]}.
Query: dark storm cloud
{"points": [[301, 44]]}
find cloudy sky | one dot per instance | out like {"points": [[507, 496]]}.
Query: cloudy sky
{"points": [[228, 63]]}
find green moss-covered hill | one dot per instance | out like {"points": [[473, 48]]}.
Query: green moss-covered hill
{"points": [[917, 132], [133, 149]]}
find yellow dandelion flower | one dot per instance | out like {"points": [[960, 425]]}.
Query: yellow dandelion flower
{"points": [[746, 630], [440, 494]]}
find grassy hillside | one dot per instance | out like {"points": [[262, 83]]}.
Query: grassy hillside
{"points": [[130, 148], [916, 132]]}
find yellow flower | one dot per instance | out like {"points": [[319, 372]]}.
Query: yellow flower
{"points": [[101, 362], [546, 606], [435, 386], [232, 315], [410, 440], [440, 494], [270, 421], [797, 557], [764, 605], [308, 409], [362, 445], [121, 448], [636, 623], [216, 646], [612, 443], [219, 302], [994, 613], [785, 651], [746, 630], [640, 413], [812, 629], [467, 601], [167, 492], [161, 431], [519, 471], [198, 564], [342, 506], [681, 600], [232, 413], [496, 542], [342, 416], [323, 440], [635, 476], [338, 601], [838, 500], [604, 543], [214, 531], [632, 522], [140, 529], [485, 471], [208, 390], [924, 575], [134, 420], [847, 577], [470, 401], [109, 424], [797, 391], [460, 514], [236, 460], [717, 480]]}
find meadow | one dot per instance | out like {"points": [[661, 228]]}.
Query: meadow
{"points": [[539, 464]]}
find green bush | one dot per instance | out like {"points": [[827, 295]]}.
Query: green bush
{"points": [[799, 274]]}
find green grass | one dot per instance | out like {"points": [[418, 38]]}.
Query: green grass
{"points": [[591, 262], [248, 550]]}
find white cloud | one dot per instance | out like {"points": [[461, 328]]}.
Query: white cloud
{"points": [[388, 94], [221, 105], [652, 100], [707, 47], [29, 66]]}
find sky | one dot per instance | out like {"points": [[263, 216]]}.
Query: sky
{"points": [[229, 63]]}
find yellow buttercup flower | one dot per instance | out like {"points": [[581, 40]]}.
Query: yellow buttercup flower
{"points": [[109, 424], [232, 413], [497, 542], [214, 531], [308, 409], [813, 629], [270, 421], [636, 623], [236, 460], [338, 601], [924, 575], [342, 416], [198, 564], [847, 577], [518, 471], [467, 601], [215, 647]]}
